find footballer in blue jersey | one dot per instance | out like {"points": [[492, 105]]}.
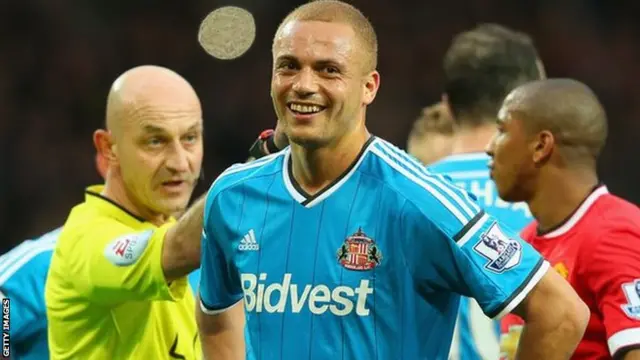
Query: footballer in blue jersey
{"points": [[477, 336], [371, 267], [342, 246], [23, 272]]}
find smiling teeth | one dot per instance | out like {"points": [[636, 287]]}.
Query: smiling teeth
{"points": [[305, 109]]}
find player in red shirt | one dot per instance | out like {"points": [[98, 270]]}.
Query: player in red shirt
{"points": [[549, 136]]}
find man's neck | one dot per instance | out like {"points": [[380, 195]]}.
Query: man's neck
{"points": [[314, 169], [561, 195], [115, 191], [471, 139]]}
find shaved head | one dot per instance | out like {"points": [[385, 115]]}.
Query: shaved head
{"points": [[152, 142], [333, 11], [146, 91], [568, 109]]}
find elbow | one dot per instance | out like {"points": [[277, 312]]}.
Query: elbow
{"points": [[576, 316]]}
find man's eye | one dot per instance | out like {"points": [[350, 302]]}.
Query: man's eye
{"points": [[287, 66], [155, 141], [191, 138], [331, 70]]}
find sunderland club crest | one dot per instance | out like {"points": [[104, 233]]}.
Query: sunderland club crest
{"points": [[359, 252]]}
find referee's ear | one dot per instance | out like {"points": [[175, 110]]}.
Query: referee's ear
{"points": [[104, 145]]}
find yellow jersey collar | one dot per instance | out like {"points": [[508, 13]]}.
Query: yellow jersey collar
{"points": [[94, 198]]}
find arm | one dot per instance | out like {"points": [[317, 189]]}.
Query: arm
{"points": [[181, 248], [220, 313], [221, 334], [610, 272], [110, 262], [555, 320], [487, 261]]}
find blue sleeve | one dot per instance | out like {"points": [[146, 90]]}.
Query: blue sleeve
{"points": [[481, 258], [220, 286], [24, 287]]}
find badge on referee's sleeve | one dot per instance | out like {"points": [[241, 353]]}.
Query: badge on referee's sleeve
{"points": [[126, 249]]}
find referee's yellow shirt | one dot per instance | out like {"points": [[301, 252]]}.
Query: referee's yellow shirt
{"points": [[106, 294]]}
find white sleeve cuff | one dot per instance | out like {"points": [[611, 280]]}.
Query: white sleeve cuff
{"points": [[623, 339], [216, 311], [517, 299]]}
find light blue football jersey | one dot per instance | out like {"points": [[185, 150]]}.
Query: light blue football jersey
{"points": [[23, 273], [476, 337], [372, 267]]}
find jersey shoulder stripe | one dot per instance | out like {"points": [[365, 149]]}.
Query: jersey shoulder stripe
{"points": [[457, 195], [458, 203], [239, 172]]}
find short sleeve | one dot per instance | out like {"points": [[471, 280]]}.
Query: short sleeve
{"points": [[479, 258], [220, 286], [612, 276], [113, 263]]}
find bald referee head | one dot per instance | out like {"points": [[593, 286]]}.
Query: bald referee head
{"points": [[152, 140], [550, 134]]}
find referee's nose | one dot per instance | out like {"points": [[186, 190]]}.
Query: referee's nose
{"points": [[177, 158]]}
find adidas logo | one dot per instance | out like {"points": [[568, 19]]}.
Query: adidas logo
{"points": [[248, 242]]}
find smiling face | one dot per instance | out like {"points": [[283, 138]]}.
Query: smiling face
{"points": [[320, 87]]}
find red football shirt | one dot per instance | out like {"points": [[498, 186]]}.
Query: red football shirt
{"points": [[598, 251]]}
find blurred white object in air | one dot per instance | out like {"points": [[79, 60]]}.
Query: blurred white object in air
{"points": [[227, 32]]}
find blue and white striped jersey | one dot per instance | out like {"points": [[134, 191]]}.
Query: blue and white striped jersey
{"points": [[372, 267]]}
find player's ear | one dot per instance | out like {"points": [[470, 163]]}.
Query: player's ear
{"points": [[543, 147], [103, 141], [371, 86]]}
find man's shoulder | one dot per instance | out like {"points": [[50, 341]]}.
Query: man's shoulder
{"points": [[84, 220], [243, 172], [615, 213], [609, 214], [403, 174]]}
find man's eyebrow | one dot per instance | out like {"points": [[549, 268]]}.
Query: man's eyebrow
{"points": [[157, 129], [152, 129]]}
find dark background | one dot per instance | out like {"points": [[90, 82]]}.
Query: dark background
{"points": [[58, 59]]}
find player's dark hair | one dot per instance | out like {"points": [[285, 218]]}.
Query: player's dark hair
{"points": [[482, 66], [433, 119]]}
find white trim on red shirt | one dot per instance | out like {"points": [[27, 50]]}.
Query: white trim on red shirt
{"points": [[578, 214], [622, 339]]}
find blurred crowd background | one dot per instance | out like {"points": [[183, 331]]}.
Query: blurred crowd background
{"points": [[59, 58]]}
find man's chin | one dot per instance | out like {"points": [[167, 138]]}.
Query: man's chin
{"points": [[307, 139], [173, 208]]}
